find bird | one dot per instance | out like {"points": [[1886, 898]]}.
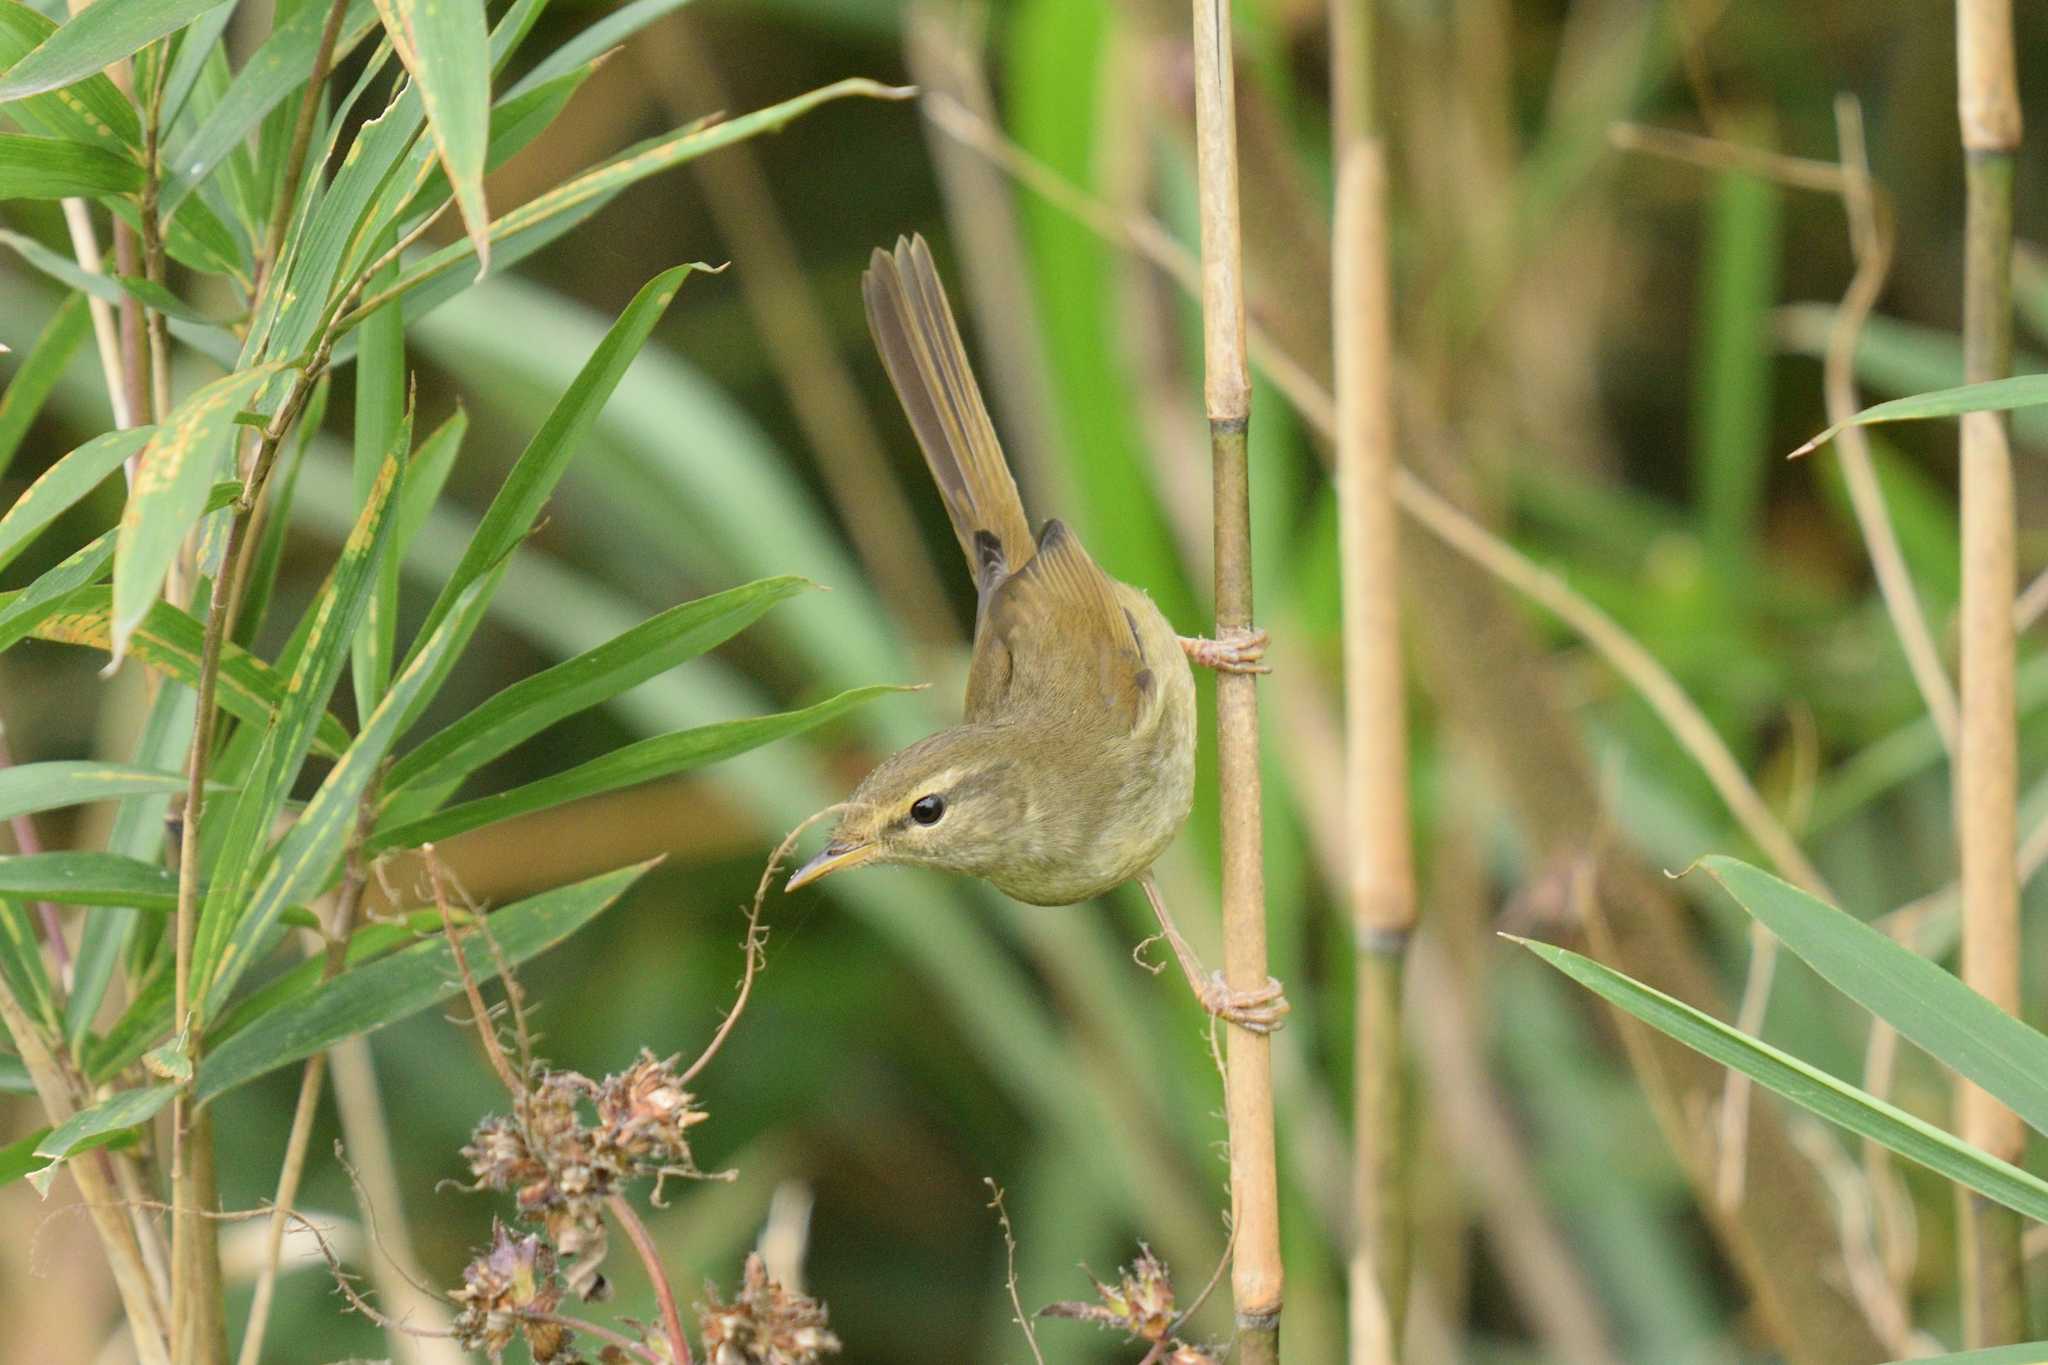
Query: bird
{"points": [[1073, 765]]}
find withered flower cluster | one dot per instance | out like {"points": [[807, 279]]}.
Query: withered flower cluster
{"points": [[502, 1292], [570, 1143], [1141, 1304], [765, 1324]]}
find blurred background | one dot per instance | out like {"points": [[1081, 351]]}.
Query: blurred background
{"points": [[1605, 350]]}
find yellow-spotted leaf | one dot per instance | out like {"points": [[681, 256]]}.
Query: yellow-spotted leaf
{"points": [[447, 48]]}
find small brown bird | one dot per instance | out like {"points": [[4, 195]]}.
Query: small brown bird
{"points": [[1074, 765]]}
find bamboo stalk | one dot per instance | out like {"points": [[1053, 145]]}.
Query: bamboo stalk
{"points": [[1256, 1277], [1986, 782], [1381, 875]]}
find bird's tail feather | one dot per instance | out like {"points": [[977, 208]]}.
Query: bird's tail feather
{"points": [[921, 349]]}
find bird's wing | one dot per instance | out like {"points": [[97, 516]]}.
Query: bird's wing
{"points": [[921, 349], [1054, 636]]}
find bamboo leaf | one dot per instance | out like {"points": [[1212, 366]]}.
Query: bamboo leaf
{"points": [[1995, 395], [63, 485], [34, 167], [31, 787], [21, 964], [531, 705], [40, 370], [307, 855], [88, 879], [366, 999], [516, 121], [1957, 1026], [383, 430], [366, 944], [213, 342], [593, 42], [110, 1115], [172, 479], [425, 476], [447, 49], [1809, 1087], [22, 612], [635, 164], [19, 1159], [645, 761], [94, 39], [170, 641], [92, 110]]}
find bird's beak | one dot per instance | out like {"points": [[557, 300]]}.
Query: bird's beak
{"points": [[834, 856]]}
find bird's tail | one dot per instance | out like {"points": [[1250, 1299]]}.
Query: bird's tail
{"points": [[921, 349]]}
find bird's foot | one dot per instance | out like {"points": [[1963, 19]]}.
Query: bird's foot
{"points": [[1238, 650], [1260, 1010]]}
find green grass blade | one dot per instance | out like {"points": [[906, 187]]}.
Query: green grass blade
{"points": [[173, 477], [661, 756], [94, 39], [531, 705], [92, 110], [63, 485], [307, 855], [1809, 1087], [40, 370], [1955, 1025], [541, 465], [364, 1000], [88, 879], [123, 1110], [383, 430], [170, 641], [1995, 395], [331, 624], [447, 49], [1738, 282], [34, 167], [635, 164], [425, 475], [33, 787]]}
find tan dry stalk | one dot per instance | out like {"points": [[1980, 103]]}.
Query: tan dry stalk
{"points": [[1986, 770], [1256, 1277], [1381, 875]]}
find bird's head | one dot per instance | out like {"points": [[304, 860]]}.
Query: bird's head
{"points": [[948, 801]]}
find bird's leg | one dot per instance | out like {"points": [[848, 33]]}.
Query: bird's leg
{"points": [[1239, 650], [1261, 1010]]}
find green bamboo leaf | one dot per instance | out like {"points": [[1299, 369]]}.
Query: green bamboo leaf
{"points": [[213, 342], [540, 466], [447, 49], [629, 167], [1809, 1087], [425, 476], [383, 430], [153, 295], [319, 656], [34, 167], [516, 121], [307, 855], [199, 49], [276, 69], [94, 39], [17, 1159], [1995, 395], [284, 489], [31, 787], [1954, 1024], [110, 1115], [22, 612], [593, 42], [92, 110], [366, 999], [63, 485], [531, 705], [366, 944], [172, 480], [21, 963], [645, 761], [170, 641], [40, 370], [88, 879]]}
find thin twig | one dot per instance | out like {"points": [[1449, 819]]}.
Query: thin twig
{"points": [[636, 1232], [1022, 1319], [513, 1082]]}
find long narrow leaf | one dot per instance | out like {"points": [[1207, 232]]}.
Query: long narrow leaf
{"points": [[368, 998], [531, 705], [31, 787], [307, 855], [88, 879], [110, 1115], [92, 110], [1809, 1087], [40, 370], [34, 167], [383, 430], [63, 485], [1957, 1026], [649, 759], [21, 613], [94, 39], [171, 483], [447, 49], [1994, 395]]}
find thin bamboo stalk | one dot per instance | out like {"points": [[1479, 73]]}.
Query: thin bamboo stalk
{"points": [[1986, 772], [1256, 1278], [1381, 876]]}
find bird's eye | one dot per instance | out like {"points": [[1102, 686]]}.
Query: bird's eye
{"points": [[928, 809]]}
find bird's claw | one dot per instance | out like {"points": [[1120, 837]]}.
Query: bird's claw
{"points": [[1263, 1009], [1237, 650]]}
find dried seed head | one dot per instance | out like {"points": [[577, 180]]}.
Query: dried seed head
{"points": [[1140, 1303], [500, 1291], [643, 1114], [764, 1325]]}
